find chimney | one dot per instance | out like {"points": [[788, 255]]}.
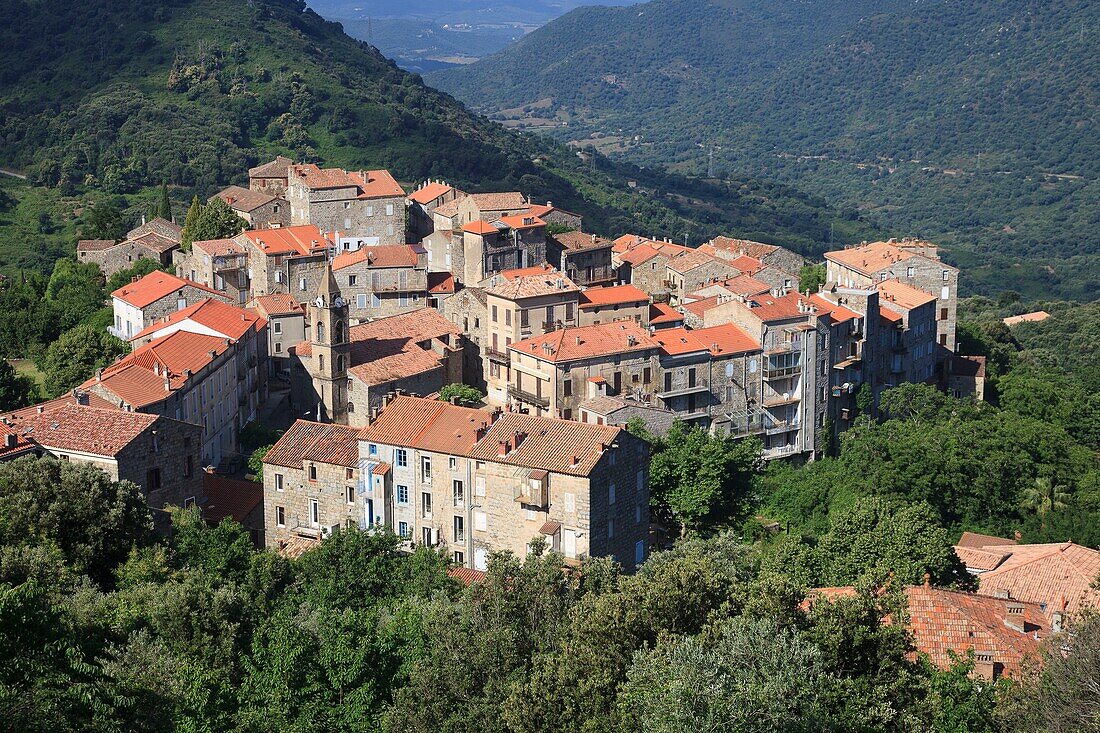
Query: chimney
{"points": [[80, 396], [502, 449], [99, 374], [1014, 616], [519, 437], [134, 279], [11, 439], [39, 410], [574, 461], [1016, 535], [213, 353]]}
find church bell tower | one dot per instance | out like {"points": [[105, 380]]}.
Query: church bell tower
{"points": [[329, 348]]}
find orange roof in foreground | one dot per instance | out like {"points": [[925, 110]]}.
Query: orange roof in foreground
{"points": [[839, 313], [95, 430], [429, 192], [306, 442], [723, 340], [379, 255], [522, 221], [1054, 575], [479, 227], [302, 240], [612, 295], [134, 378], [227, 320], [441, 282], [664, 313], [587, 342], [370, 184], [903, 295], [945, 621], [278, 304], [426, 424], [155, 286]]}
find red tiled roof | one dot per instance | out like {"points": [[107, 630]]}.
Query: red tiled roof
{"points": [[478, 226], [370, 184], [218, 247], [466, 576], [94, 245], [701, 306], [429, 192], [244, 199], [426, 424], [745, 285], [747, 265], [612, 295], [664, 313], [722, 340], [747, 247], [870, 258], [94, 430], [550, 444], [278, 304], [441, 282], [379, 255], [229, 497], [977, 559], [503, 201], [272, 169], [134, 379], [522, 221], [303, 240], [678, 341], [768, 307], [312, 442], [155, 286], [222, 318], [580, 241], [542, 269], [532, 282], [296, 546], [154, 241], [690, 259], [838, 313], [1048, 574], [640, 254], [541, 210], [586, 342], [974, 539], [903, 295]]}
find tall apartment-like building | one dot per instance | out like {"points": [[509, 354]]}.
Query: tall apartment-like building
{"points": [[507, 243], [474, 482], [911, 262], [367, 204], [523, 303], [383, 280], [287, 260], [585, 258]]}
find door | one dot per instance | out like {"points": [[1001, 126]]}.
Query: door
{"points": [[568, 542]]}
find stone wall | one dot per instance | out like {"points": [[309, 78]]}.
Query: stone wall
{"points": [[330, 489]]}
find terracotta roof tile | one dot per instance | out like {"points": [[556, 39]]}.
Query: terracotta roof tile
{"points": [[314, 442], [430, 192], [550, 444], [278, 304], [586, 342], [272, 169], [219, 247], [746, 247], [504, 201], [522, 221], [870, 258], [664, 313], [229, 497], [518, 284], [903, 295], [441, 282], [426, 424], [134, 378], [224, 319], [244, 199], [379, 255], [479, 227], [974, 539], [296, 546], [369, 184], [94, 430], [580, 241], [1047, 574], [305, 239], [154, 286], [94, 245], [612, 295], [466, 576]]}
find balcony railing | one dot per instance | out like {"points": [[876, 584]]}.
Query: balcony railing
{"points": [[500, 357], [780, 451], [683, 390], [778, 400], [525, 396], [778, 372], [532, 495]]}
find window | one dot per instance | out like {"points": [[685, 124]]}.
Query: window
{"points": [[610, 528], [401, 457], [372, 449], [389, 209], [402, 494], [494, 314], [277, 327], [349, 473], [361, 300], [349, 493], [611, 492], [426, 504], [459, 558], [943, 314], [301, 283], [425, 468], [278, 482], [946, 275], [569, 311], [403, 529], [638, 514], [189, 468], [314, 513], [567, 387], [460, 529], [639, 552], [351, 279], [459, 491], [152, 479], [882, 276], [312, 472], [280, 516], [479, 486], [481, 521], [375, 301], [945, 293], [909, 272], [452, 463], [370, 211]]}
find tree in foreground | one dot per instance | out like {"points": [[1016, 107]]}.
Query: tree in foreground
{"points": [[464, 394], [213, 221], [76, 355]]}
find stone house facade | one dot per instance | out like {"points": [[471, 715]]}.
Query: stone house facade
{"points": [[474, 482], [140, 304], [271, 177], [367, 204], [157, 240], [219, 264], [489, 207], [286, 327], [423, 201], [381, 281], [584, 258], [614, 303], [914, 263], [467, 310], [290, 260], [260, 210]]}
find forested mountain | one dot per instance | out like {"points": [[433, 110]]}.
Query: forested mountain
{"points": [[974, 123], [195, 91]]}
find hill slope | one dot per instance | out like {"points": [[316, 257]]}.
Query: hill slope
{"points": [[972, 122], [195, 91]]}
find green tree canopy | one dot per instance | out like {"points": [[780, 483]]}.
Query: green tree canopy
{"points": [[214, 221], [463, 393], [76, 355]]}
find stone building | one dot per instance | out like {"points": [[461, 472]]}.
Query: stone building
{"points": [[141, 303], [289, 260], [423, 201], [643, 263], [912, 262], [557, 217], [584, 258], [286, 327], [490, 207], [271, 177], [520, 304], [236, 499], [311, 477], [966, 377], [155, 240], [771, 258], [207, 379], [507, 243], [614, 303], [554, 372], [261, 210], [340, 377], [619, 411], [475, 482], [159, 454], [220, 264], [383, 280], [468, 310], [690, 270], [367, 204], [909, 351]]}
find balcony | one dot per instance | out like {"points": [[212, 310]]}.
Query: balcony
{"points": [[532, 493], [679, 391], [778, 400], [227, 263], [778, 372], [696, 415], [495, 355], [778, 427], [523, 396], [780, 451]]}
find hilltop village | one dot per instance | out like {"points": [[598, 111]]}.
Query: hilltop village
{"points": [[348, 309]]}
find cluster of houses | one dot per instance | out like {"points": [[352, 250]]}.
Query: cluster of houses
{"points": [[363, 302]]}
